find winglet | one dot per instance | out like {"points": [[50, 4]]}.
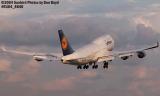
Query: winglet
{"points": [[157, 44]]}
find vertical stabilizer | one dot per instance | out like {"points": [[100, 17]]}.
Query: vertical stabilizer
{"points": [[66, 48]]}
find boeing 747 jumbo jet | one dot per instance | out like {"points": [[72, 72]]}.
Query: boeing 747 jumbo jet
{"points": [[100, 50]]}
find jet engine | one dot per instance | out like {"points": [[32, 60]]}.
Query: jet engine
{"points": [[124, 57], [141, 54], [39, 58]]}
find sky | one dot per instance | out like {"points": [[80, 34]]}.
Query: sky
{"points": [[132, 23]]}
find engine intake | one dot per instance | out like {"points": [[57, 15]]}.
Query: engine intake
{"points": [[38, 58], [124, 57], [141, 54]]}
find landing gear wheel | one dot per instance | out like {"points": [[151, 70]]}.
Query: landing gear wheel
{"points": [[94, 66], [85, 66], [105, 66], [79, 67]]}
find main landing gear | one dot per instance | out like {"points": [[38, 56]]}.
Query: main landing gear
{"points": [[84, 67], [94, 66], [105, 66], [79, 67]]}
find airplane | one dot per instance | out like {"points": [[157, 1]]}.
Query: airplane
{"points": [[99, 50]]}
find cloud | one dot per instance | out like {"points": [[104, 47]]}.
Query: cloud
{"points": [[155, 5], [68, 83], [141, 72], [16, 77], [77, 1], [144, 81], [5, 65], [26, 71], [132, 1], [8, 13], [88, 74], [114, 15], [60, 84], [142, 20], [43, 31], [134, 88]]}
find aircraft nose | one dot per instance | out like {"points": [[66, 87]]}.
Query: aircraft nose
{"points": [[64, 61]]}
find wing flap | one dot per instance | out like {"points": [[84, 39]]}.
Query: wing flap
{"points": [[105, 58]]}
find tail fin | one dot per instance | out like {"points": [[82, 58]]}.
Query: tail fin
{"points": [[66, 48]]}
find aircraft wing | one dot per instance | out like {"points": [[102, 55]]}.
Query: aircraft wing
{"points": [[126, 54], [35, 56]]}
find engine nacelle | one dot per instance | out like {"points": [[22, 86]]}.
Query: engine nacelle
{"points": [[141, 54], [124, 57], [39, 58]]}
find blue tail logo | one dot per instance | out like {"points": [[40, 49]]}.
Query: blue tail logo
{"points": [[66, 48], [64, 43]]}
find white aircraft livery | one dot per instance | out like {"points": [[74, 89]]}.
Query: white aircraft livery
{"points": [[100, 50]]}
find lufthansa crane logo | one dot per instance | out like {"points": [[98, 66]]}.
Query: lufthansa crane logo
{"points": [[64, 43]]}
